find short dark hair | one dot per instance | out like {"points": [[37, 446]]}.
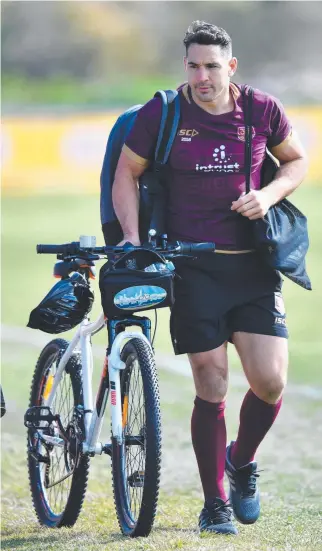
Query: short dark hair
{"points": [[200, 32]]}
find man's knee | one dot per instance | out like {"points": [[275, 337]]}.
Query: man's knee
{"points": [[265, 363], [210, 373], [270, 391]]}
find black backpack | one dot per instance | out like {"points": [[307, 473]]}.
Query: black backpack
{"points": [[152, 192]]}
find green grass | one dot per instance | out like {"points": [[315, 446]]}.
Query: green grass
{"points": [[67, 92], [290, 483], [174, 529], [27, 277]]}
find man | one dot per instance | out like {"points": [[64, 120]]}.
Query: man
{"points": [[230, 295]]}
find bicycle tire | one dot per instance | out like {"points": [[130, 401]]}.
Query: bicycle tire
{"points": [[140, 362], [67, 512], [3, 403]]}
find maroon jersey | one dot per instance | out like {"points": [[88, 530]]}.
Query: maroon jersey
{"points": [[206, 165]]}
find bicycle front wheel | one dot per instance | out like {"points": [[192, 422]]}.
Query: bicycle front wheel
{"points": [[136, 463], [57, 475]]}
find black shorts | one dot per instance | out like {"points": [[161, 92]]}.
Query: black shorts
{"points": [[219, 294]]}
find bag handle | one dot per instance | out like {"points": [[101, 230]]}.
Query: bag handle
{"points": [[248, 95]]}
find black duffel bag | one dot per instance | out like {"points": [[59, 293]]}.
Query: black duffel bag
{"points": [[127, 288], [281, 237]]}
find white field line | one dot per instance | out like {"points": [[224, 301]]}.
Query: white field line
{"points": [[180, 365]]}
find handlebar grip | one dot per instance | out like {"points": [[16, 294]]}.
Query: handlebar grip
{"points": [[68, 248], [187, 248]]}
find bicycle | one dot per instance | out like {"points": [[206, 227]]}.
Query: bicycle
{"points": [[2, 403], [63, 421]]}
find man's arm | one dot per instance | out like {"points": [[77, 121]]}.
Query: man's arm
{"points": [[125, 196], [292, 170]]}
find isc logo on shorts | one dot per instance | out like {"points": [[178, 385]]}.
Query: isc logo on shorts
{"points": [[280, 321], [280, 308]]}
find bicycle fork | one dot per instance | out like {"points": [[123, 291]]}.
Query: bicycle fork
{"points": [[115, 365], [110, 384]]}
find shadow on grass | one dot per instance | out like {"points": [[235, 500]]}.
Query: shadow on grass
{"points": [[47, 536], [16, 543], [42, 537]]}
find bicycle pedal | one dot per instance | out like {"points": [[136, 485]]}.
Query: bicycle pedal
{"points": [[35, 415], [136, 479]]}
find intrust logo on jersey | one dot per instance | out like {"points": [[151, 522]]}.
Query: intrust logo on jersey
{"points": [[187, 135], [222, 162]]}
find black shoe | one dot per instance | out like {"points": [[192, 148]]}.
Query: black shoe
{"points": [[217, 518], [244, 494]]}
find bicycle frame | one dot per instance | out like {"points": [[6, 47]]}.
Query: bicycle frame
{"points": [[110, 379], [93, 417]]}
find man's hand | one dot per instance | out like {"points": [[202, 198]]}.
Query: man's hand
{"points": [[134, 239], [293, 167], [253, 205]]}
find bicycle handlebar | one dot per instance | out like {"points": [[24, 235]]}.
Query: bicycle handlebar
{"points": [[186, 248], [74, 249], [67, 248]]}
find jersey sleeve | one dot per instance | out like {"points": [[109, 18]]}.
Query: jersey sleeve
{"points": [[280, 128], [142, 139]]}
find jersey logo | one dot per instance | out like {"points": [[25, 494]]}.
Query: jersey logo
{"points": [[187, 135], [241, 133], [222, 162]]}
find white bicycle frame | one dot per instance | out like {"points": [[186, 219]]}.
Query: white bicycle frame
{"points": [[92, 420]]}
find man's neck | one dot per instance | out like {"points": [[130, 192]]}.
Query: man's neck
{"points": [[224, 103]]}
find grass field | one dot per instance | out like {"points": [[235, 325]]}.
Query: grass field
{"points": [[291, 455], [26, 277], [290, 484]]}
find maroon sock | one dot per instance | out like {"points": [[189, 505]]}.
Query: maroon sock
{"points": [[256, 418], [208, 431]]}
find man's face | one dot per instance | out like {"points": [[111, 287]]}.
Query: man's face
{"points": [[208, 69]]}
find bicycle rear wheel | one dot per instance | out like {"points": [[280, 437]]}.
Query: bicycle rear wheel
{"points": [[3, 404], [57, 475], [136, 463]]}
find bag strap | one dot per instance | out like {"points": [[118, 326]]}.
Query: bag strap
{"points": [[170, 116], [168, 126], [248, 95]]}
